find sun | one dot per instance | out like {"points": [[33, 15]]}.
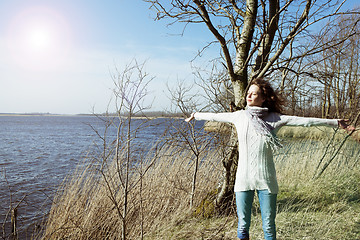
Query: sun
{"points": [[38, 39]]}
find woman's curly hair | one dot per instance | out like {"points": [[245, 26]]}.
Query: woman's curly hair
{"points": [[273, 101]]}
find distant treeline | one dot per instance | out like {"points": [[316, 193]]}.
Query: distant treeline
{"points": [[149, 114]]}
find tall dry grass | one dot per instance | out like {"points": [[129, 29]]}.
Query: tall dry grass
{"points": [[308, 208], [83, 208], [327, 207]]}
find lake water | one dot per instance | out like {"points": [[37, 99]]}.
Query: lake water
{"points": [[38, 152]]}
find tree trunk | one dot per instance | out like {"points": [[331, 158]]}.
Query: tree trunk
{"points": [[224, 197]]}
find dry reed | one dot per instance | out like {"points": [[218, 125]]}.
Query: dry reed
{"points": [[159, 204], [83, 208]]}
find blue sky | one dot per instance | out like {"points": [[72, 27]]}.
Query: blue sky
{"points": [[57, 56]]}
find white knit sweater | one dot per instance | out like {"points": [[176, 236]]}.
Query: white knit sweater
{"points": [[256, 169]]}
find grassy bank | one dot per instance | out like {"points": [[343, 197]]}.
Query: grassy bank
{"points": [[90, 204], [315, 133]]}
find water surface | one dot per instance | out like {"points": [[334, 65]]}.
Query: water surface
{"points": [[38, 152]]}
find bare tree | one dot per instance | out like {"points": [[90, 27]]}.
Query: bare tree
{"points": [[339, 70], [326, 82], [130, 94], [187, 136], [254, 38]]}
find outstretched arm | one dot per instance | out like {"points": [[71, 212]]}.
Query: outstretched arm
{"points": [[228, 117], [309, 121]]}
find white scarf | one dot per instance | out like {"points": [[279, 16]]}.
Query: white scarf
{"points": [[256, 115]]}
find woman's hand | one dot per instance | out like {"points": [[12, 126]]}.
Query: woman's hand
{"points": [[343, 123], [190, 118]]}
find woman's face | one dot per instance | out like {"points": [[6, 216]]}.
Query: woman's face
{"points": [[254, 97]]}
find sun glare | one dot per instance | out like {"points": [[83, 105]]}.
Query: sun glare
{"points": [[38, 39]]}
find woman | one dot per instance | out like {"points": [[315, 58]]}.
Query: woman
{"points": [[256, 128]]}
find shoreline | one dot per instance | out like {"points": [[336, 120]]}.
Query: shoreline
{"points": [[77, 115]]}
